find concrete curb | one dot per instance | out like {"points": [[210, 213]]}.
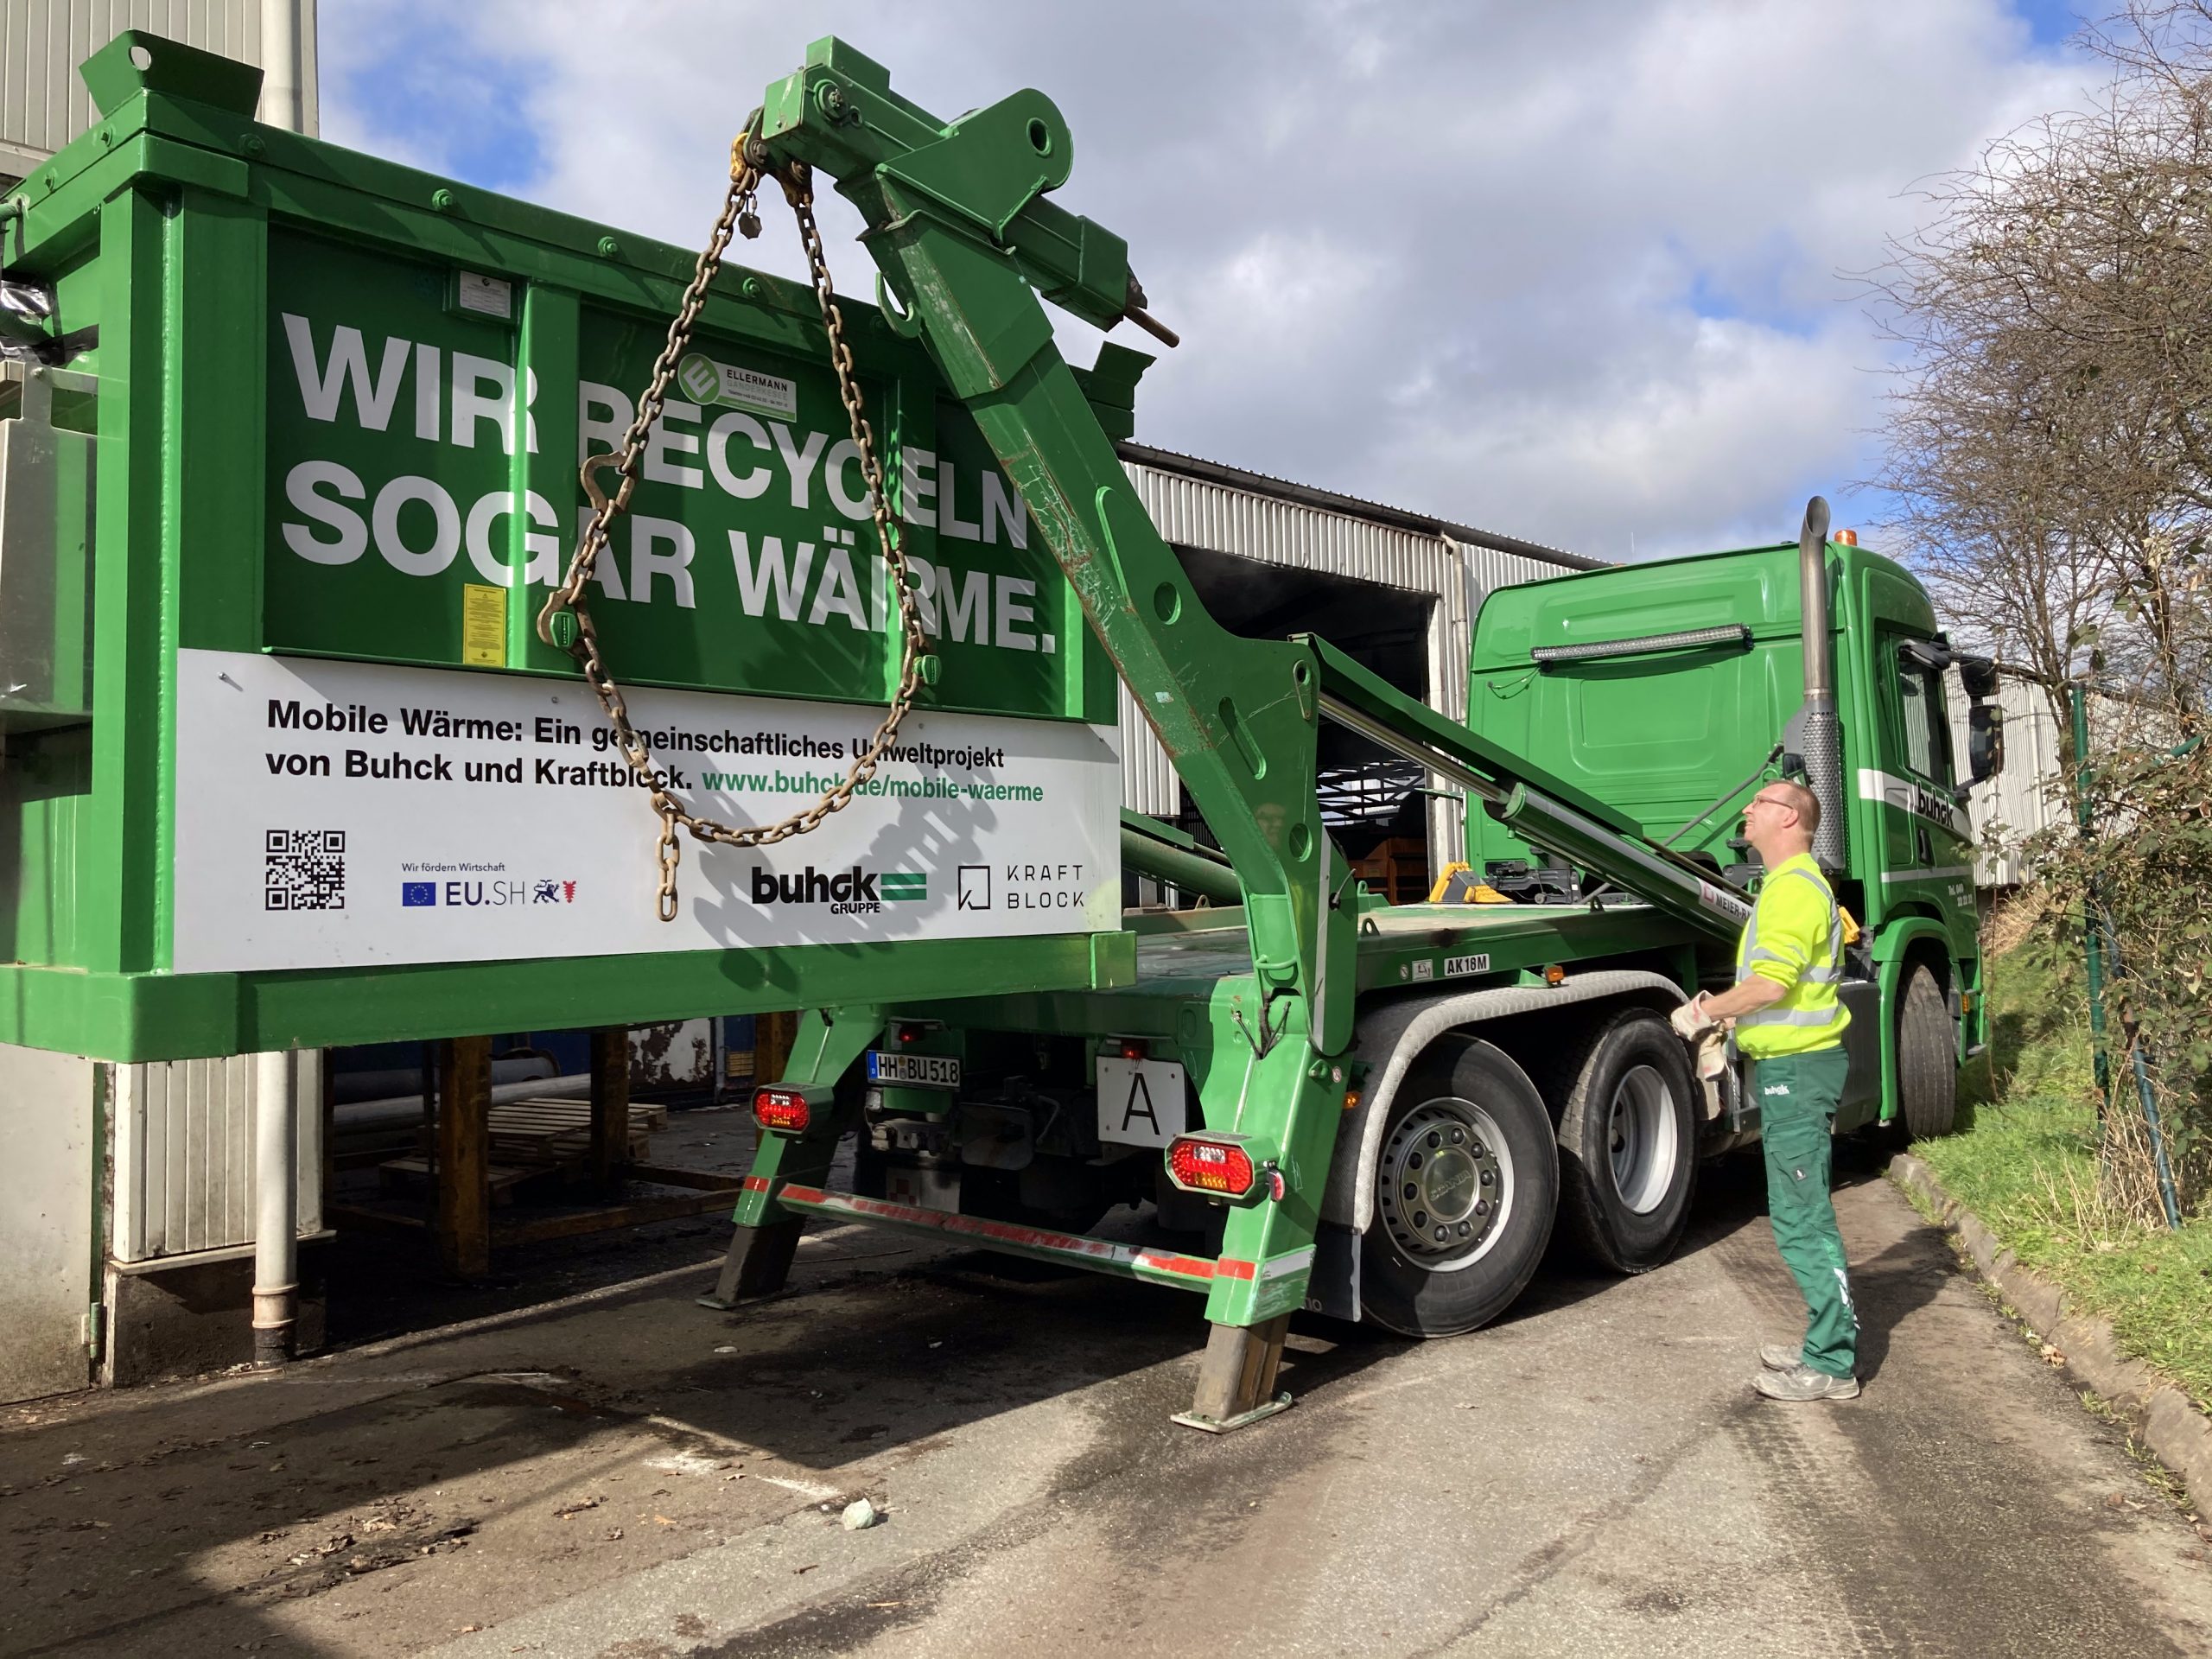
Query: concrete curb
{"points": [[2165, 1418]]}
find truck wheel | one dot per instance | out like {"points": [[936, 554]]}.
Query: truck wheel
{"points": [[1927, 1066], [1465, 1187], [1628, 1145]]}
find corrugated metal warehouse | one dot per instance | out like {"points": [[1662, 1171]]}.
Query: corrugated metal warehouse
{"points": [[1397, 589], [44, 103]]}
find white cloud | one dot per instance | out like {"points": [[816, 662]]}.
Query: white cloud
{"points": [[1569, 271]]}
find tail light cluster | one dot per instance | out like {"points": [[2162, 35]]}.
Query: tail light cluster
{"points": [[782, 1108], [1222, 1166]]}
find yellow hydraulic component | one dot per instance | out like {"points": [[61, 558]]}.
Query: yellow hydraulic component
{"points": [[1471, 891]]}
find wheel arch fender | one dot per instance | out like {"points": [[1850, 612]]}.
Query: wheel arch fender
{"points": [[1391, 1039]]}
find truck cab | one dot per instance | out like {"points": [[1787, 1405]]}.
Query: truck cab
{"points": [[1670, 690]]}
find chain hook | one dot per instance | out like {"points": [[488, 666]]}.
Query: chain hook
{"points": [[565, 620]]}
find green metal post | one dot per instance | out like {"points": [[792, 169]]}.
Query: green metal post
{"points": [[2102, 952], [2091, 925]]}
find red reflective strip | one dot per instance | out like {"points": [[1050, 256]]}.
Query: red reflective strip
{"points": [[756, 1184], [1230, 1268], [1188, 1267], [1003, 1232]]}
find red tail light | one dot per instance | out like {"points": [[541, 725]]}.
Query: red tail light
{"points": [[784, 1110], [1218, 1164]]}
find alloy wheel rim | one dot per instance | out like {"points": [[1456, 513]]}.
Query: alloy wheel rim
{"points": [[1445, 1184]]}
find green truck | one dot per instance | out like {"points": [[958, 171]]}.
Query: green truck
{"points": [[1329, 1102], [295, 756]]}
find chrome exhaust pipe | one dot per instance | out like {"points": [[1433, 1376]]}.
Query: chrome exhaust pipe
{"points": [[1819, 737]]}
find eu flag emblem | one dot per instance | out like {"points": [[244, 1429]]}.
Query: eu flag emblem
{"points": [[418, 893]]}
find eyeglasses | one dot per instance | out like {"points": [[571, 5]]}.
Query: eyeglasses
{"points": [[1770, 800]]}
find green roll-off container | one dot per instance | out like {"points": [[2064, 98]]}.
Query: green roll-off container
{"points": [[283, 482]]}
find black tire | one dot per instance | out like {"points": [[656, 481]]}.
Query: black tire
{"points": [[1494, 1190], [1628, 1145], [1928, 1065]]}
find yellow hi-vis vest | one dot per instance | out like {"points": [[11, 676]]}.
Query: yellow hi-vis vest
{"points": [[1795, 937]]}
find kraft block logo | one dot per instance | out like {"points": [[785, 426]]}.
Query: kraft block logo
{"points": [[975, 891], [412, 893]]}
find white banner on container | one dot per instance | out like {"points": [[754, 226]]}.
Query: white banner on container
{"points": [[340, 814]]}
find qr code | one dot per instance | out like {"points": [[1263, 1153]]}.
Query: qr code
{"points": [[305, 869]]}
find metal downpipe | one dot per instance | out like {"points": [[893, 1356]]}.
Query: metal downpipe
{"points": [[276, 1208], [283, 67], [1821, 737]]}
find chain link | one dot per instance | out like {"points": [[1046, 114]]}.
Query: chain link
{"points": [[747, 169]]}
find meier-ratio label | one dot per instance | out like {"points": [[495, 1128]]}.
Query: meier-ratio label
{"points": [[337, 814]]}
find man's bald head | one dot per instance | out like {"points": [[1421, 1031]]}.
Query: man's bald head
{"points": [[1802, 800], [1781, 820]]}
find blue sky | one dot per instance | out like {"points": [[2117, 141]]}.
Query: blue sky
{"points": [[1581, 273]]}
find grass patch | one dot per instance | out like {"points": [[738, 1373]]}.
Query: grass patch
{"points": [[2025, 1160]]}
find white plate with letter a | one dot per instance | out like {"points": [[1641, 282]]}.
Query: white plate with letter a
{"points": [[1140, 1102]]}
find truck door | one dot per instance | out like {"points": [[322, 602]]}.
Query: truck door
{"points": [[1927, 850]]}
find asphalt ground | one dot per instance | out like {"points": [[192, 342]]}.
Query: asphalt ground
{"points": [[623, 1474]]}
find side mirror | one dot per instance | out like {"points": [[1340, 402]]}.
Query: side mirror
{"points": [[1978, 675], [1985, 741]]}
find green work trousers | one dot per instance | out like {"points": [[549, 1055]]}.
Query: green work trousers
{"points": [[1798, 1095]]}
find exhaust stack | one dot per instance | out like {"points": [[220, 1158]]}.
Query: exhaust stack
{"points": [[1817, 736]]}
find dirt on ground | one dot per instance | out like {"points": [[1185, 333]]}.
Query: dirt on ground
{"points": [[617, 1472]]}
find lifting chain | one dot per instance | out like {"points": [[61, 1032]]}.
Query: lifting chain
{"points": [[566, 621]]}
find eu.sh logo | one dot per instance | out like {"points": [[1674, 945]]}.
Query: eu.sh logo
{"points": [[418, 893]]}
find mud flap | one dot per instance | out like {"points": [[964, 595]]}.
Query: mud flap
{"points": [[1333, 1286]]}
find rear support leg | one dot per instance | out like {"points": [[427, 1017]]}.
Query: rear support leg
{"points": [[766, 1240], [759, 1262], [1291, 1101], [1237, 1378]]}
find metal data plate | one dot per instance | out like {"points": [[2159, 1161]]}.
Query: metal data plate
{"points": [[1140, 1102], [933, 1186], [914, 1071]]}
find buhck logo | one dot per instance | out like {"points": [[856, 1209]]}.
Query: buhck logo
{"points": [[852, 892]]}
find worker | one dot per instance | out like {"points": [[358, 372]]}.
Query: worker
{"points": [[1789, 1021]]}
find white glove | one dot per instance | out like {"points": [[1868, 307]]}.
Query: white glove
{"points": [[1690, 1018]]}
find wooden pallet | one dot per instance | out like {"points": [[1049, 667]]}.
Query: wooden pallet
{"points": [[544, 1132]]}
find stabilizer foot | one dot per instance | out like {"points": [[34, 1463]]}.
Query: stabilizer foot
{"points": [[758, 1263], [1237, 1378]]}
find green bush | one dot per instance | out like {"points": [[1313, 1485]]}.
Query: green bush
{"points": [[2029, 1160]]}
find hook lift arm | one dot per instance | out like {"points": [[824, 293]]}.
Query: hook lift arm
{"points": [[966, 244]]}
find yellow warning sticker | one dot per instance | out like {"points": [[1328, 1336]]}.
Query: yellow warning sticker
{"points": [[483, 625]]}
